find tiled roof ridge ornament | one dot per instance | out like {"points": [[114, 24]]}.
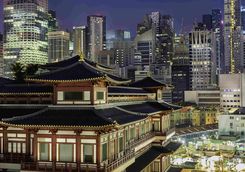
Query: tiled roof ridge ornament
{"points": [[81, 59]]}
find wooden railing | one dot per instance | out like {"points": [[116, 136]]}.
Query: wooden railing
{"points": [[129, 152], [113, 165], [61, 167], [15, 158]]}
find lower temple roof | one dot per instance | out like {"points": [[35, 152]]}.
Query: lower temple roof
{"points": [[56, 116], [146, 107], [12, 111], [26, 89], [149, 156]]}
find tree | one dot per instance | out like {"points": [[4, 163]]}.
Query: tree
{"points": [[31, 69], [21, 72], [18, 71]]}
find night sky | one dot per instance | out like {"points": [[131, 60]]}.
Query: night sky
{"points": [[126, 14]]}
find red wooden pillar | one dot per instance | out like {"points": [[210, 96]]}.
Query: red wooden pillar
{"points": [[92, 94], [28, 142], [35, 145], [161, 127], [98, 150], [78, 149], [161, 168], [54, 149], [5, 140]]}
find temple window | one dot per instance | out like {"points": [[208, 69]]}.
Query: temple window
{"points": [[16, 147], [70, 96], [73, 96], [104, 151], [156, 125], [132, 133], [44, 151], [120, 144], [66, 152], [100, 95], [88, 153]]}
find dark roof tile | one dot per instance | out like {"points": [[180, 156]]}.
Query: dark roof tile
{"points": [[25, 88], [148, 82], [12, 111], [117, 89], [146, 107]]}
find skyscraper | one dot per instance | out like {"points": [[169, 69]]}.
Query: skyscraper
{"points": [[217, 28], [232, 36], [145, 45], [180, 69], [1, 54], [207, 20], [58, 45], [202, 59], [25, 34], [52, 21], [96, 35], [80, 40]]}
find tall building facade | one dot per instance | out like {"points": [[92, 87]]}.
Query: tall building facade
{"points": [[207, 21], [80, 40], [52, 21], [217, 28], [232, 36], [145, 45], [96, 36], [180, 69], [1, 54], [25, 32], [202, 59], [58, 46]]}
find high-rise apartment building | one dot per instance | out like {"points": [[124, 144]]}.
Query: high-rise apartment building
{"points": [[202, 59], [80, 40], [96, 36], [58, 46], [232, 36], [25, 32]]}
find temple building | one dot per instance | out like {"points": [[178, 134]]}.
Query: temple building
{"points": [[74, 115]]}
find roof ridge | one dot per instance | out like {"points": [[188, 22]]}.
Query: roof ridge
{"points": [[65, 60], [103, 117], [130, 112], [24, 116], [135, 88], [54, 71]]}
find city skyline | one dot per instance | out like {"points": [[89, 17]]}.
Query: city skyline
{"points": [[117, 18]]}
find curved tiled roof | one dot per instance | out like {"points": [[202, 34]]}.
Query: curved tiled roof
{"points": [[78, 71], [126, 90], [71, 61], [70, 117], [148, 82], [12, 111], [61, 117], [119, 116], [146, 107], [61, 64], [4, 81], [26, 89]]}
